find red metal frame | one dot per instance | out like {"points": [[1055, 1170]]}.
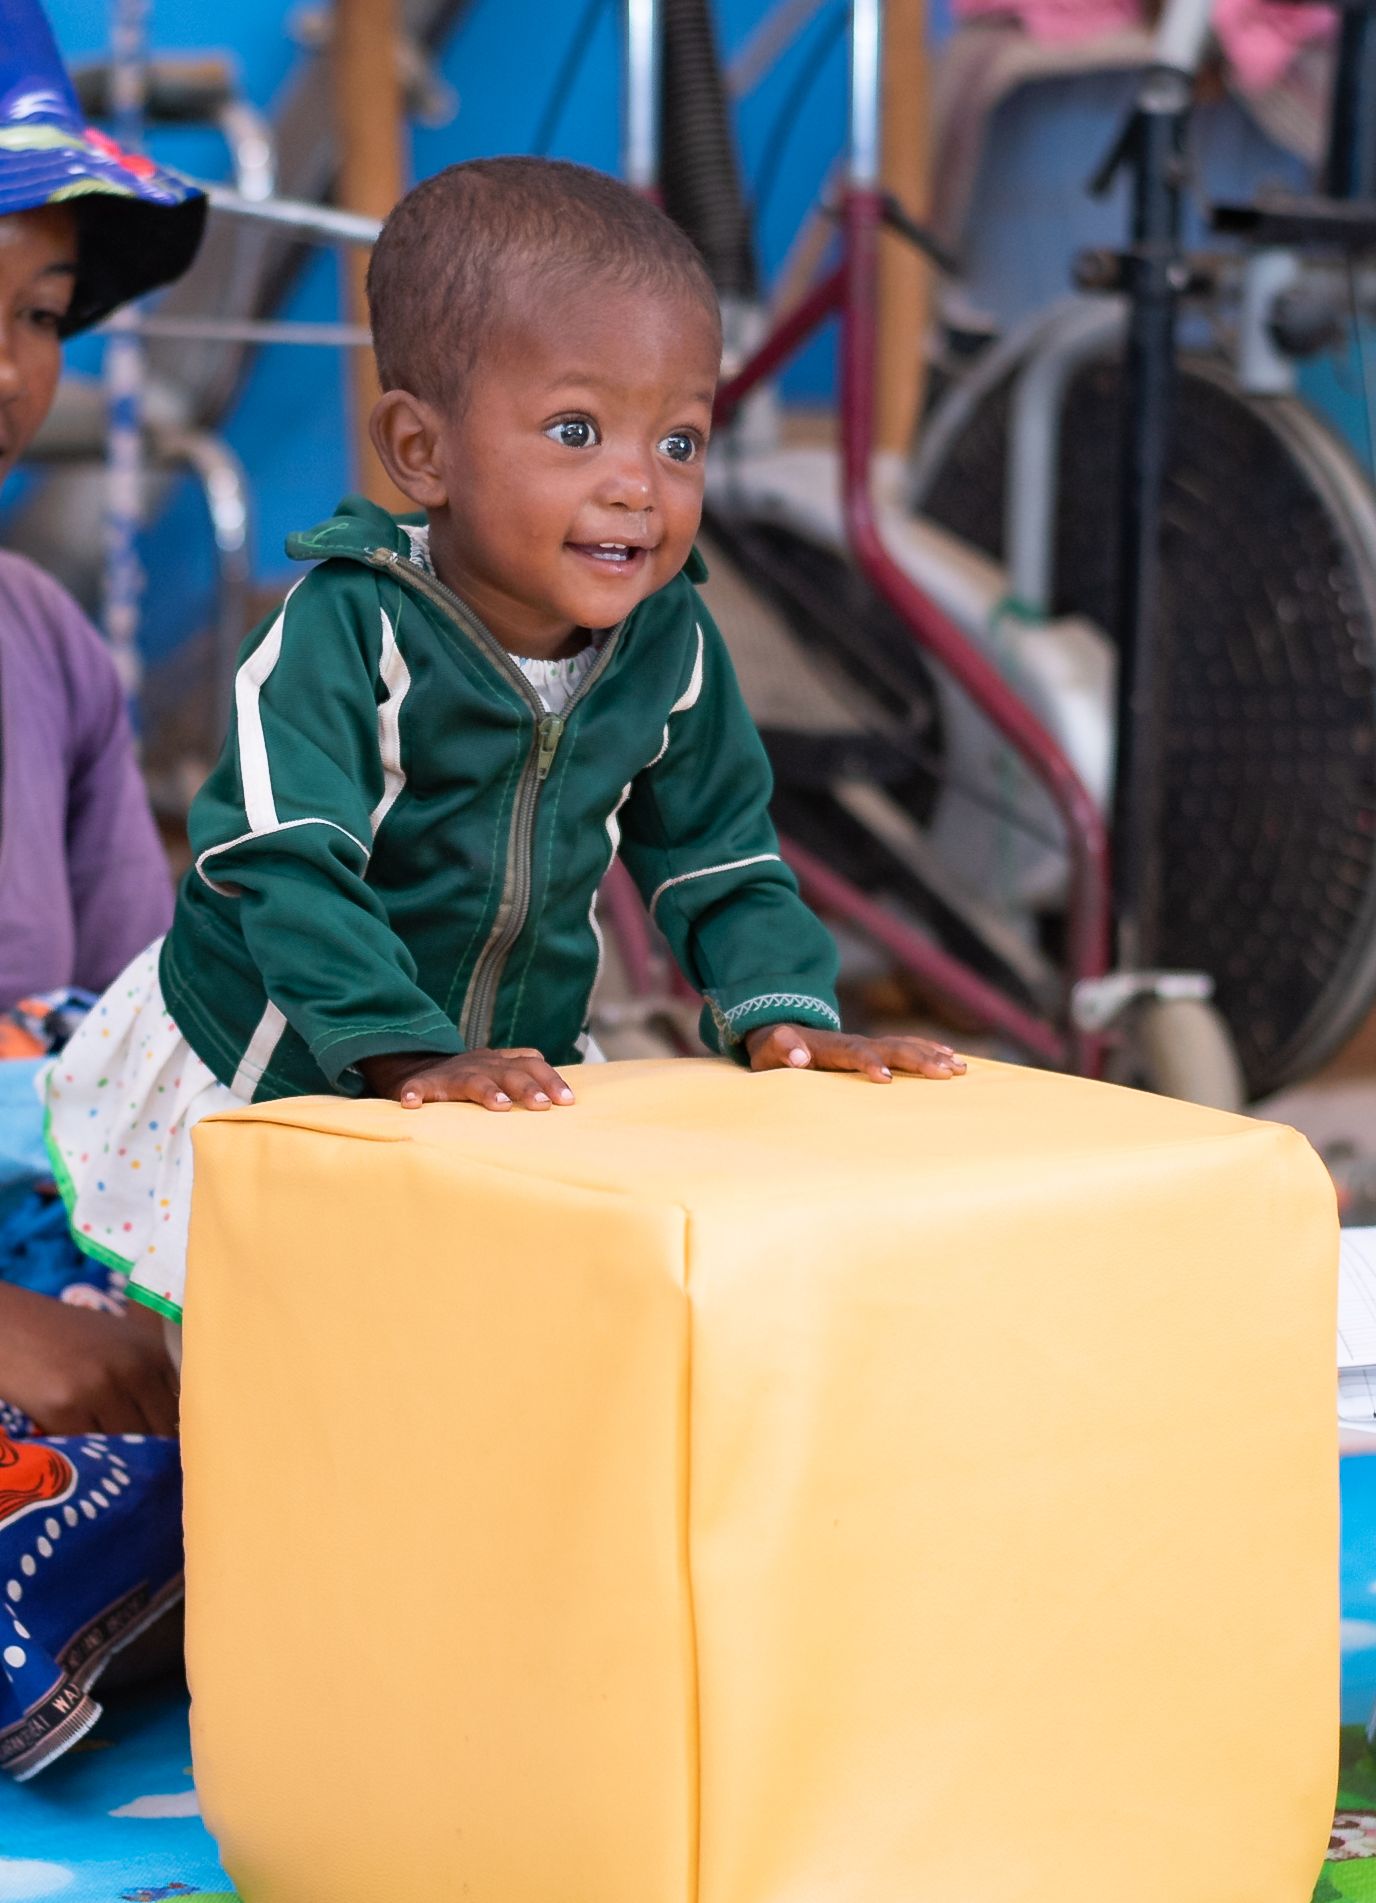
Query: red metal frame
{"points": [[851, 292], [829, 892]]}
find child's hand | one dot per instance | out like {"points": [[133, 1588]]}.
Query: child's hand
{"points": [[494, 1079], [795, 1047], [82, 1371]]}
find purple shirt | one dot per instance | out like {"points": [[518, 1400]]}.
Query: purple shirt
{"points": [[84, 883]]}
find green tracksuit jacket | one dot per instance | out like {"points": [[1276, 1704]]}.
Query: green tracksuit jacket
{"points": [[399, 849]]}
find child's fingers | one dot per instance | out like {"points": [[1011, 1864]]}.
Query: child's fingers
{"points": [[481, 1088], [493, 1079], [535, 1083], [857, 1054], [468, 1087], [784, 1048], [920, 1057]]}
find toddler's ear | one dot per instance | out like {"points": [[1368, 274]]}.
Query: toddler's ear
{"points": [[405, 433]]}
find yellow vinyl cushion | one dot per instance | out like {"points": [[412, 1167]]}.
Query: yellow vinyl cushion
{"points": [[777, 1489]]}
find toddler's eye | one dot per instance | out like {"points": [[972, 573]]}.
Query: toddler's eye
{"points": [[679, 446], [575, 432]]}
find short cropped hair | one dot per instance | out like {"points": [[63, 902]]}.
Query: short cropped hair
{"points": [[457, 247]]}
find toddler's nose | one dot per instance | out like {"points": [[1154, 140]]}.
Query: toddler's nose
{"points": [[629, 483]]}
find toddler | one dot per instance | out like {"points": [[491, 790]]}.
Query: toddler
{"points": [[457, 719]]}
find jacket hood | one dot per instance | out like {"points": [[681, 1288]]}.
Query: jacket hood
{"points": [[356, 529]]}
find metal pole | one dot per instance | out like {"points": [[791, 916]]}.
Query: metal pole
{"points": [[773, 36], [1154, 272], [905, 276], [251, 330], [123, 372], [866, 55], [1031, 487], [226, 491], [641, 159], [316, 221], [1182, 34], [1350, 164]]}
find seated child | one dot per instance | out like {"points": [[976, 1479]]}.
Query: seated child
{"points": [[90, 1482], [453, 724]]}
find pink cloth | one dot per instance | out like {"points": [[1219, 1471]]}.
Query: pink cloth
{"points": [[1260, 38]]}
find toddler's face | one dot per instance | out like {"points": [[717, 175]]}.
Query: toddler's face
{"points": [[574, 466]]}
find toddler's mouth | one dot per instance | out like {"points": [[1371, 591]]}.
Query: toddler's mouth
{"points": [[616, 558]]}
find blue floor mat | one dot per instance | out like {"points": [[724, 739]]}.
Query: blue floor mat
{"points": [[1358, 1479], [116, 1820]]}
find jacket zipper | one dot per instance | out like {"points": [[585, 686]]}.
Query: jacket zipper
{"points": [[484, 983]]}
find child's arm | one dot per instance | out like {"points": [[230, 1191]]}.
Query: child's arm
{"points": [[81, 1371], [698, 840], [283, 830]]}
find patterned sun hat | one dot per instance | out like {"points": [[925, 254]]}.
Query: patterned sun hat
{"points": [[139, 224]]}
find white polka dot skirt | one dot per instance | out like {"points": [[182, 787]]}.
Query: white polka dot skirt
{"points": [[122, 1100]]}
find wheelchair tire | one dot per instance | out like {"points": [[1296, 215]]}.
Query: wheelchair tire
{"points": [[1268, 844]]}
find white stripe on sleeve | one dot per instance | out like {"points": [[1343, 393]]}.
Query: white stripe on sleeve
{"points": [[396, 678], [258, 1054], [688, 698], [260, 805], [705, 872], [260, 809]]}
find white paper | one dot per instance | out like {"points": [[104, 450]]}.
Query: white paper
{"points": [[1357, 1299], [1357, 1399]]}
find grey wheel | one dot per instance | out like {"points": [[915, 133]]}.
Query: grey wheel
{"points": [[1268, 828]]}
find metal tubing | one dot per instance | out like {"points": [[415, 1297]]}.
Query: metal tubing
{"points": [[851, 288], [951, 980], [1181, 35], [1263, 368], [767, 43], [866, 61], [629, 924], [641, 161], [123, 376], [1031, 489], [1156, 157], [821, 302], [958, 408], [1349, 169], [317, 221], [249, 330], [1087, 935], [249, 138], [225, 489]]}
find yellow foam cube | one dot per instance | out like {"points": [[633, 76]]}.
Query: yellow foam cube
{"points": [[773, 1489]]}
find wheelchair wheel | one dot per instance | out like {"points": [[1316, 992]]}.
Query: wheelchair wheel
{"points": [[1268, 843]]}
